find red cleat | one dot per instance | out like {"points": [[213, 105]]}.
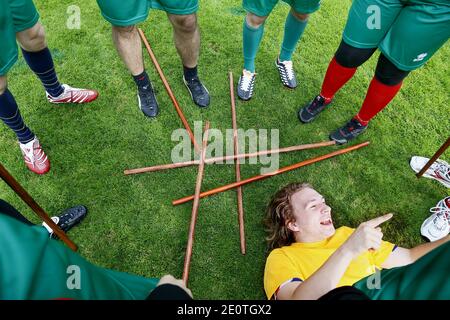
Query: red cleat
{"points": [[73, 95], [35, 158]]}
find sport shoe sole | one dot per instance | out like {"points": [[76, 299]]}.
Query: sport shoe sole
{"points": [[417, 163]]}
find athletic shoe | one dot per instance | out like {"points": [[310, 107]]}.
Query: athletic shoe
{"points": [[198, 91], [245, 85], [35, 158], [147, 101], [437, 226], [309, 112], [351, 130], [68, 219], [73, 95], [287, 74], [439, 170]]}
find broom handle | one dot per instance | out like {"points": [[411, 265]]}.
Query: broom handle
{"points": [[264, 176], [195, 205], [23, 194], [232, 157]]}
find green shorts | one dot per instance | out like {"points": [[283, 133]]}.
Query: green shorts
{"points": [[407, 34], [129, 12], [15, 16], [263, 8], [425, 279]]}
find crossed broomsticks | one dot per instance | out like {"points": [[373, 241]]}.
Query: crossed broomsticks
{"points": [[202, 161], [7, 177]]}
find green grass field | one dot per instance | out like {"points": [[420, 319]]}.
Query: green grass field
{"points": [[132, 226]]}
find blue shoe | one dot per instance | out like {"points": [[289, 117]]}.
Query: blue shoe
{"points": [[198, 91], [68, 219], [350, 131]]}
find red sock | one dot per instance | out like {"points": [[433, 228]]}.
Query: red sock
{"points": [[378, 96], [335, 78]]}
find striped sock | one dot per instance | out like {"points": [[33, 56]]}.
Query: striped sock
{"points": [[41, 63], [10, 115]]}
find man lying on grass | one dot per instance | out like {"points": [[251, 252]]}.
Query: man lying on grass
{"points": [[310, 257]]}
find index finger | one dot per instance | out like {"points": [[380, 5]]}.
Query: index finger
{"points": [[377, 221]]}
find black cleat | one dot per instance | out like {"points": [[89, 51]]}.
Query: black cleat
{"points": [[309, 112], [68, 219], [351, 130], [245, 85], [147, 101], [287, 74], [198, 91]]}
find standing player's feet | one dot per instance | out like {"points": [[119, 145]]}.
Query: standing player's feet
{"points": [[350, 131], [35, 158], [73, 95], [309, 112], [245, 85], [437, 226], [287, 74], [198, 91], [147, 101], [439, 170]]}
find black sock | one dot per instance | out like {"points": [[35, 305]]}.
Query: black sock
{"points": [[10, 114], [142, 81], [190, 73], [41, 63]]}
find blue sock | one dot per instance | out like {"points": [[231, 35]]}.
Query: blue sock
{"points": [[41, 63], [10, 115], [293, 30], [252, 39]]}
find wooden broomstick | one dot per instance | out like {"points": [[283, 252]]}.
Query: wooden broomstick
{"points": [[21, 192], [276, 172], [227, 158], [195, 205], [240, 204]]}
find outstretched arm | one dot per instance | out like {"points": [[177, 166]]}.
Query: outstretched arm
{"points": [[402, 257], [367, 236]]}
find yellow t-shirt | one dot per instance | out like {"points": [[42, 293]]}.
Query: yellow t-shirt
{"points": [[300, 260]]}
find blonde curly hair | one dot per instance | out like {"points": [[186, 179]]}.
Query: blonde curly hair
{"points": [[279, 213]]}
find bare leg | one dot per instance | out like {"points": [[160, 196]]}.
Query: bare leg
{"points": [[186, 36], [32, 39], [3, 84], [129, 47]]}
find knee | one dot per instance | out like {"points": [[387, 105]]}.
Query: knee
{"points": [[33, 39], [124, 32], [300, 16], [352, 57], [387, 73], [3, 85], [254, 21], [185, 23]]}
